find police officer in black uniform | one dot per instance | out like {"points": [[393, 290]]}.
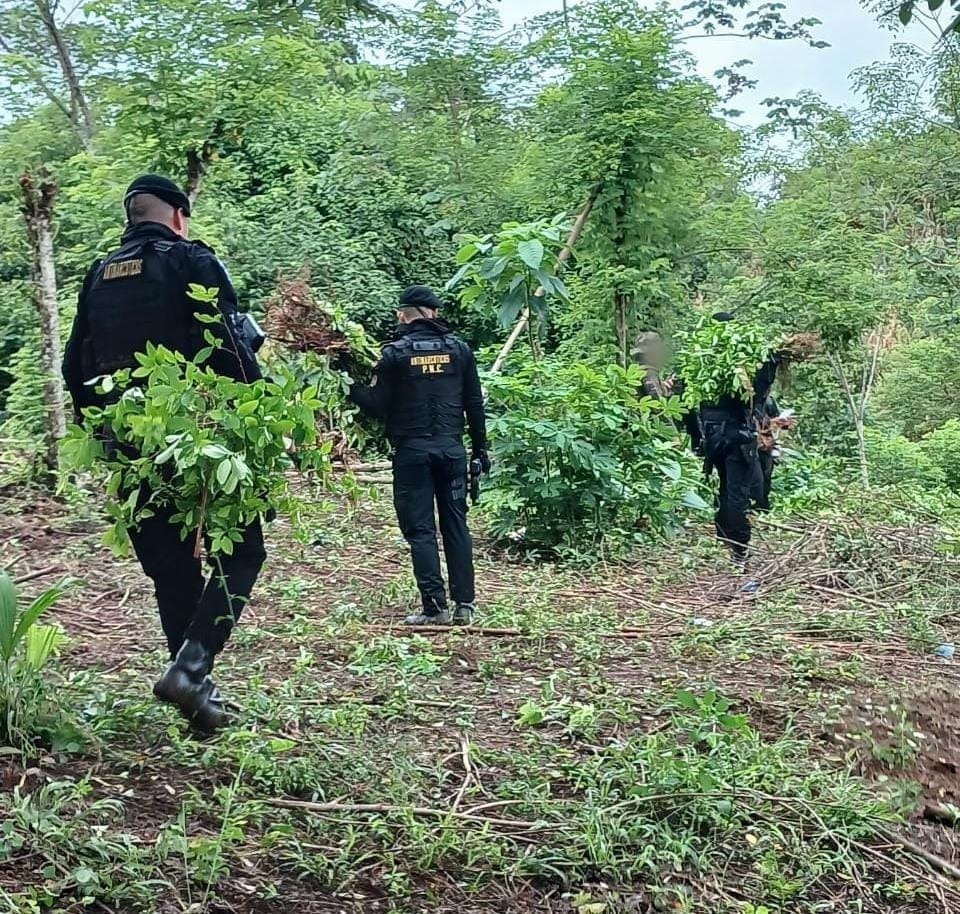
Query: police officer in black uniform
{"points": [[134, 296], [424, 385], [731, 448]]}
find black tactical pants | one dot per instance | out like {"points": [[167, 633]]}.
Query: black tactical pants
{"points": [[731, 450], [764, 481], [191, 606], [423, 475]]}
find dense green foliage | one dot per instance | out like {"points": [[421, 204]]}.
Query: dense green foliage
{"points": [[580, 460], [429, 145]]}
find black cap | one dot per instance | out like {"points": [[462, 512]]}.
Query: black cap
{"points": [[161, 187], [723, 316], [419, 297]]}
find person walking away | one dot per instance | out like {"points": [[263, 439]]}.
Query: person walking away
{"points": [[427, 389], [651, 353], [731, 448], [135, 296]]}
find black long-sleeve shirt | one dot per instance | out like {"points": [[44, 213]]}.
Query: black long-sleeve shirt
{"points": [[138, 294], [418, 403]]}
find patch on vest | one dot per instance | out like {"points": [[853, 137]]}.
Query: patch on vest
{"points": [[431, 365], [123, 269]]}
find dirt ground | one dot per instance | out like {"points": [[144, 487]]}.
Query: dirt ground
{"points": [[829, 639]]}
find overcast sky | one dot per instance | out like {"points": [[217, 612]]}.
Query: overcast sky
{"points": [[782, 68]]}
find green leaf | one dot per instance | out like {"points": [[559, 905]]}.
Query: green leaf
{"points": [[692, 499], [671, 469], [467, 252], [166, 453], [8, 616], [83, 875], [687, 700], [493, 267], [224, 471], [531, 252], [36, 609], [40, 644]]}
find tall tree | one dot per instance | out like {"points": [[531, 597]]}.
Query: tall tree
{"points": [[39, 194]]}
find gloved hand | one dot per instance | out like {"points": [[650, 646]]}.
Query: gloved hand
{"points": [[484, 458]]}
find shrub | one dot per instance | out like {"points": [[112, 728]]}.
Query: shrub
{"points": [[941, 447], [580, 461], [907, 398], [805, 480], [896, 461]]}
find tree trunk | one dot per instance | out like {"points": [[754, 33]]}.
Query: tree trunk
{"points": [[622, 322], [196, 169], [198, 161], [856, 415], [79, 109], [38, 199], [562, 257]]}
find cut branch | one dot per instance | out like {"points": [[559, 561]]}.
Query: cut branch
{"points": [[414, 810], [938, 863]]}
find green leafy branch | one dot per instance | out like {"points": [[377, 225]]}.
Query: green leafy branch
{"points": [[513, 269], [215, 449], [908, 9], [720, 358]]}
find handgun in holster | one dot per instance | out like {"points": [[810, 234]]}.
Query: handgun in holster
{"points": [[476, 471]]}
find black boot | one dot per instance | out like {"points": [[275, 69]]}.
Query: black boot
{"points": [[463, 614], [187, 684], [438, 617]]}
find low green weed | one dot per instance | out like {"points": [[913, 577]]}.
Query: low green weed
{"points": [[30, 713]]}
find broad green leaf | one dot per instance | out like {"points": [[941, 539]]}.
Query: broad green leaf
{"points": [[467, 252], [531, 252], [671, 469], [693, 500]]}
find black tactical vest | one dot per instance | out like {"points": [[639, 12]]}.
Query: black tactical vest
{"points": [[136, 296], [428, 401]]}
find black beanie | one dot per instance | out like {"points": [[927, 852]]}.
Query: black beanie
{"points": [[161, 187], [419, 297]]}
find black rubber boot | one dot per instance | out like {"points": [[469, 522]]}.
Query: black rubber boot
{"points": [[187, 684], [463, 614], [435, 618]]}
